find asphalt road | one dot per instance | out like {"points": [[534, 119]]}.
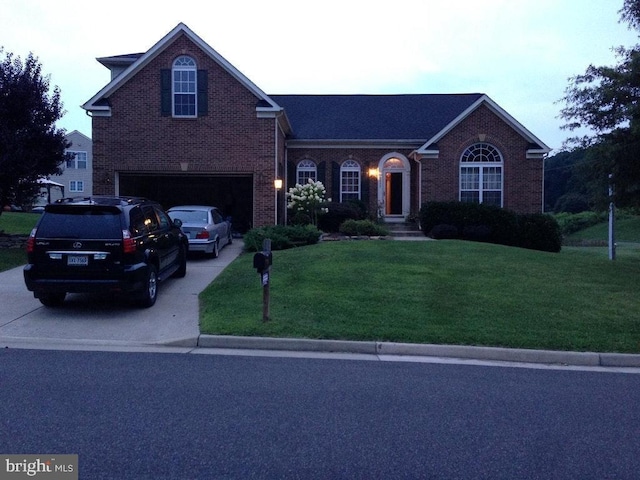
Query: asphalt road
{"points": [[175, 416]]}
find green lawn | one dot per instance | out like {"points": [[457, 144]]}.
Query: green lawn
{"points": [[15, 223], [626, 230], [448, 292], [18, 222]]}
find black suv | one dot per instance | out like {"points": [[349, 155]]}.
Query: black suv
{"points": [[103, 244]]}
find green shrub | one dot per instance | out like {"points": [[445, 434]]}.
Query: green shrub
{"points": [[539, 231], [473, 221], [485, 223], [362, 228], [299, 218], [282, 237], [572, 222], [336, 213]]}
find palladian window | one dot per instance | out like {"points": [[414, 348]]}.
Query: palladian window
{"points": [[481, 175]]}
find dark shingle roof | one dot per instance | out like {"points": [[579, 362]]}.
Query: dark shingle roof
{"points": [[372, 117]]}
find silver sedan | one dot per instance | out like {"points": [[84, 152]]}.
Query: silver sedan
{"points": [[204, 226]]}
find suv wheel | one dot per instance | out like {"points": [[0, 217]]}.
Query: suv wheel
{"points": [[150, 292], [52, 299]]}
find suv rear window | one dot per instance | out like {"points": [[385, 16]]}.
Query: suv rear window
{"points": [[89, 222]]}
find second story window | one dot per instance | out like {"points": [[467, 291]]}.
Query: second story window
{"points": [[79, 160], [184, 84]]}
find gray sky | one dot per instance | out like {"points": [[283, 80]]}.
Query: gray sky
{"points": [[519, 52]]}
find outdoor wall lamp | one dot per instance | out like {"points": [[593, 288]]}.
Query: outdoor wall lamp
{"points": [[277, 183], [374, 172]]}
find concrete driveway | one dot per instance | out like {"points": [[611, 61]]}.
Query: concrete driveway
{"points": [[90, 319]]}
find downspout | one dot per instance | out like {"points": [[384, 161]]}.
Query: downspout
{"points": [[544, 164], [275, 168], [414, 155]]}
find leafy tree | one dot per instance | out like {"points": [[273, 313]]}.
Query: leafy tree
{"points": [[30, 145], [563, 182], [606, 101]]}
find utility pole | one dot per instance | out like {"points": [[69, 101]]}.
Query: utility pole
{"points": [[612, 221]]}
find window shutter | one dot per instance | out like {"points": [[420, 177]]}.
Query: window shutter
{"points": [[291, 175], [165, 92], [364, 188], [322, 173], [335, 181], [203, 93]]}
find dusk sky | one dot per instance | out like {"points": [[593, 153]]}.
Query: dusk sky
{"points": [[518, 52]]}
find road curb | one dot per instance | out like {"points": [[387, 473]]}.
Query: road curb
{"points": [[292, 344], [426, 350]]}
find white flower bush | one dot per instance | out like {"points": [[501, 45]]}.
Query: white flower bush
{"points": [[307, 199]]}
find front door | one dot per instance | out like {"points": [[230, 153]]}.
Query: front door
{"points": [[394, 187]]}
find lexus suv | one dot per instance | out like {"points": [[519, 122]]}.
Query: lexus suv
{"points": [[103, 244]]}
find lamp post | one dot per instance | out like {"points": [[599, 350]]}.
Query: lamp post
{"points": [[277, 183]]}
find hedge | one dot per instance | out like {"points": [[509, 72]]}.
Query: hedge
{"points": [[485, 223], [282, 237]]}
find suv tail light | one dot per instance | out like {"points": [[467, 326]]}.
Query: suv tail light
{"points": [[203, 235], [31, 241], [128, 243]]}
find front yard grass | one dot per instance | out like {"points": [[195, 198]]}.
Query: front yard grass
{"points": [[15, 223], [443, 292]]}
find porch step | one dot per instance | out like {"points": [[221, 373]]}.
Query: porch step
{"points": [[403, 230]]}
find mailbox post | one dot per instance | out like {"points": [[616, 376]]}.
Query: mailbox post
{"points": [[262, 263]]}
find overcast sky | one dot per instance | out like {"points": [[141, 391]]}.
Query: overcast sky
{"points": [[519, 52]]}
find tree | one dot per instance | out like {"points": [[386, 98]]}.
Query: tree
{"points": [[564, 187], [606, 101], [30, 145]]}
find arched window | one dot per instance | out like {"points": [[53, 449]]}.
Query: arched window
{"points": [[481, 175], [306, 170], [349, 181], [184, 84]]}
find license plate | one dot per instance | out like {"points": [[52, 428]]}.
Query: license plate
{"points": [[78, 260]]}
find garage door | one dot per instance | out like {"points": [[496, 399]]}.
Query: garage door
{"points": [[232, 194]]}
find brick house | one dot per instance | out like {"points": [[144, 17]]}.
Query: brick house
{"points": [[180, 124]]}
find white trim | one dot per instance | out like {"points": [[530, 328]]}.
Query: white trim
{"points": [[493, 106], [369, 144], [406, 185]]}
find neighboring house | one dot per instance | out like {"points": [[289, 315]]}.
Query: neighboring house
{"points": [[180, 124], [77, 173]]}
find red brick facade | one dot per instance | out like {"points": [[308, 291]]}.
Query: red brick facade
{"points": [[522, 177], [233, 140]]}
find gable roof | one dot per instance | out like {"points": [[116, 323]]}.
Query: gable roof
{"points": [[536, 149], [98, 105]]}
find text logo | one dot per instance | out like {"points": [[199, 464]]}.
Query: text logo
{"points": [[49, 467]]}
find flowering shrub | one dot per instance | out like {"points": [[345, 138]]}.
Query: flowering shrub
{"points": [[307, 199]]}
